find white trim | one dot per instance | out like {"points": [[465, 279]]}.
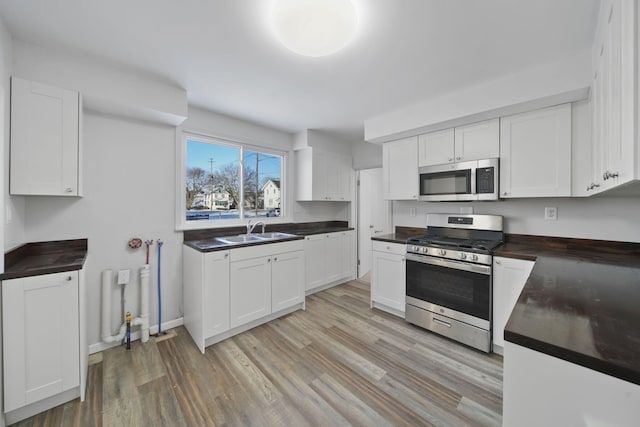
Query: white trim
{"points": [[170, 324]]}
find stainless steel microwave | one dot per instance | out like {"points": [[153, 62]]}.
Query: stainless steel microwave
{"points": [[464, 181]]}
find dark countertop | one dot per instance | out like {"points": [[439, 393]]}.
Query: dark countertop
{"points": [[401, 235], [34, 259], [204, 240], [579, 303]]}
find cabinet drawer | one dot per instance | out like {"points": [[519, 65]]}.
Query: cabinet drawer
{"points": [[392, 248], [267, 249]]}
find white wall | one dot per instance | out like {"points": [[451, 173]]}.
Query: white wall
{"points": [[366, 155], [601, 218], [129, 192], [5, 73], [104, 87], [555, 82]]}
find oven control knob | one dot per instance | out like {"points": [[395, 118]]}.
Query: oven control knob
{"points": [[415, 249], [462, 256], [423, 250], [474, 257], [442, 252]]}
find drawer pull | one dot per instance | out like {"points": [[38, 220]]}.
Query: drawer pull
{"points": [[442, 322]]}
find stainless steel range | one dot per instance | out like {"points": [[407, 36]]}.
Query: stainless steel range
{"points": [[449, 277]]}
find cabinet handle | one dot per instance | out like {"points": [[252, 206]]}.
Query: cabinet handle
{"points": [[498, 262], [458, 158], [268, 259], [68, 278], [275, 259], [441, 322], [505, 193], [451, 159], [226, 255], [402, 259], [68, 190]]}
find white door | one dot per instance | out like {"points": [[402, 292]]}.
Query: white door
{"points": [[374, 215]]}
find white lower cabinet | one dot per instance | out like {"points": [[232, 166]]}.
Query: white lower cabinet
{"points": [[250, 287], [287, 280], [44, 350], [509, 278], [329, 259], [388, 277], [206, 293], [541, 390], [226, 292]]}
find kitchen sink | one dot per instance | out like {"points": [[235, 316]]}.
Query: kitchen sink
{"points": [[242, 238], [247, 238], [274, 235]]}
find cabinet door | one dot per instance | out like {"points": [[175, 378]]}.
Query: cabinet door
{"points": [[250, 290], [40, 337], [509, 277], [400, 169], [333, 252], [436, 148], [44, 120], [388, 277], [348, 254], [314, 249], [477, 141], [535, 153], [344, 174], [287, 280], [216, 293]]}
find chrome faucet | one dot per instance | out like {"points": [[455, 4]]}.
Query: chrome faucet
{"points": [[250, 226]]}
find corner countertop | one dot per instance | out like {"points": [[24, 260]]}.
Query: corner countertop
{"points": [[401, 235], [579, 303], [34, 259], [204, 240]]}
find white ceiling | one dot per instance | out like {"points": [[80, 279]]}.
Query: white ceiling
{"points": [[223, 52]]}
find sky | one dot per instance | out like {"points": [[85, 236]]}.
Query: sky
{"points": [[199, 154]]}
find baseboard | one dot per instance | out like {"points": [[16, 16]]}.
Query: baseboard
{"points": [[101, 346], [329, 285]]}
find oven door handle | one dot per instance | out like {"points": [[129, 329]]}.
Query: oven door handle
{"points": [[474, 268]]}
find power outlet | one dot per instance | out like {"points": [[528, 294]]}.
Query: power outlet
{"points": [[551, 213], [123, 277], [413, 211]]}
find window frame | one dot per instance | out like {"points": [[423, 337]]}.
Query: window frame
{"points": [[181, 179]]}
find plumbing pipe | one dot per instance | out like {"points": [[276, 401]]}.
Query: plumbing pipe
{"points": [[107, 279], [160, 243], [128, 323], [144, 303], [142, 321]]}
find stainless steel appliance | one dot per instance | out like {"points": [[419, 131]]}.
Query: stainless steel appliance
{"points": [[473, 180], [449, 277]]}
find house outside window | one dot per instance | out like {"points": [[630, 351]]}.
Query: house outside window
{"points": [[227, 181]]}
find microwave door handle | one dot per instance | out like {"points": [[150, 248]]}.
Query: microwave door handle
{"points": [[473, 180]]}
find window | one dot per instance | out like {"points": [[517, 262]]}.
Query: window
{"points": [[227, 180]]}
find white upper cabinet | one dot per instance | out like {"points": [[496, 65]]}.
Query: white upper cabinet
{"points": [[535, 153], [400, 169], [613, 94], [45, 140], [474, 141], [322, 176], [436, 148]]}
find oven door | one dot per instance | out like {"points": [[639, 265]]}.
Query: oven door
{"points": [[450, 182], [458, 290]]}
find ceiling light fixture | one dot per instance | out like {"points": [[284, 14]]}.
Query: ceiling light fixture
{"points": [[314, 27]]}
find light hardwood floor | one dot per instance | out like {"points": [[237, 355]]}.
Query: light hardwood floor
{"points": [[337, 363]]}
